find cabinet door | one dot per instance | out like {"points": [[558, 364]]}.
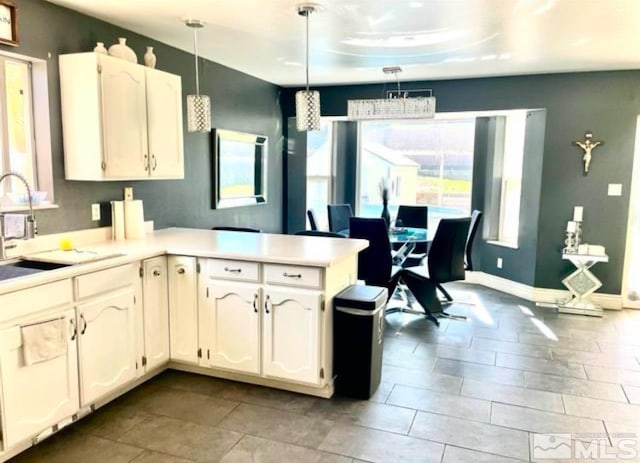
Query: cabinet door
{"points": [[106, 345], [124, 119], [164, 121], [40, 395], [183, 309], [230, 327], [291, 334], [156, 312]]}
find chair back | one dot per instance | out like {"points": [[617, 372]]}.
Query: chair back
{"points": [[325, 234], [312, 219], [476, 216], [446, 255], [374, 262], [413, 216], [239, 229], [339, 215]]}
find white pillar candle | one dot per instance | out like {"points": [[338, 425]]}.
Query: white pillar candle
{"points": [[571, 226], [577, 214]]}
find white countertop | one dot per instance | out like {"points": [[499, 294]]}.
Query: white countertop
{"points": [[257, 247]]}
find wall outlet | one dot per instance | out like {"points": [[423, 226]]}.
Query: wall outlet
{"points": [[499, 262], [614, 189], [95, 212], [128, 193]]}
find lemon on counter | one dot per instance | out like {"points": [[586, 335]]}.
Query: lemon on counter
{"points": [[66, 244]]}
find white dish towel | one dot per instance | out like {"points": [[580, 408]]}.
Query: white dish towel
{"points": [[14, 225], [44, 341]]}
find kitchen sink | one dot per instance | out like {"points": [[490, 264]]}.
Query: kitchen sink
{"points": [[24, 267]]}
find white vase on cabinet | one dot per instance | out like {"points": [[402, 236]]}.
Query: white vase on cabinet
{"points": [[122, 51], [150, 58], [99, 48]]}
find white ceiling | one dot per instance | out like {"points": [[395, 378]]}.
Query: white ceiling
{"points": [[351, 40]]}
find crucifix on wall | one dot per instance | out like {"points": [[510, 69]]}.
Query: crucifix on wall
{"points": [[587, 146]]}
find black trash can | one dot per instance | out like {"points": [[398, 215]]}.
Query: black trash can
{"points": [[358, 328]]}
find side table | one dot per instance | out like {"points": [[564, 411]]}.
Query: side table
{"points": [[582, 284]]}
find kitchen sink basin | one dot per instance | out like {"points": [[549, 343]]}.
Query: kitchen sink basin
{"points": [[24, 267]]}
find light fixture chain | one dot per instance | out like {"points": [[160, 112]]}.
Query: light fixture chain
{"points": [[195, 48]]}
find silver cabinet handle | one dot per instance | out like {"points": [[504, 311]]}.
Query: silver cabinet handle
{"points": [[233, 270], [155, 162], [156, 273], [181, 271], [255, 302], [292, 275], [266, 305], [84, 328], [146, 162], [75, 329]]}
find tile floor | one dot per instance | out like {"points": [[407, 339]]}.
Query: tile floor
{"points": [[474, 391]]}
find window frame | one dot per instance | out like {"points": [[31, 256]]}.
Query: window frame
{"points": [[40, 128]]}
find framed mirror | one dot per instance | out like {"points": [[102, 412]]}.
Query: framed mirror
{"points": [[239, 169]]}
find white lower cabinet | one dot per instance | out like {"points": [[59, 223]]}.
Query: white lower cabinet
{"points": [[183, 308], [230, 326], [36, 396], [155, 313], [106, 344], [291, 335]]}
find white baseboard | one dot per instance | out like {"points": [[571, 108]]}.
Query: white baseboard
{"points": [[543, 295]]}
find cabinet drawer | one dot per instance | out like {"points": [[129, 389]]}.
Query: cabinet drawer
{"points": [[104, 281], [233, 270], [308, 277], [29, 301]]}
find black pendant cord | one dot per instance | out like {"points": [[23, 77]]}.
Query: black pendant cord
{"points": [[307, 51], [195, 48]]}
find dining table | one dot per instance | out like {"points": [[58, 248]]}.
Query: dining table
{"points": [[401, 235]]}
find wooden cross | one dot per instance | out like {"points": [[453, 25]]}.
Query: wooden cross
{"points": [[587, 146]]}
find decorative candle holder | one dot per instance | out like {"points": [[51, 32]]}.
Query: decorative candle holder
{"points": [[570, 243], [578, 234]]}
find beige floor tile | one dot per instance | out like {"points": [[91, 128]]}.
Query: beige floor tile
{"points": [[613, 375], [480, 372], [553, 367], [574, 386], [418, 378], [268, 397], [434, 351], [602, 410], [633, 394], [149, 456], [112, 421], [460, 455], [257, 450], [516, 348]]}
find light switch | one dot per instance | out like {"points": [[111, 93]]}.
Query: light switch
{"points": [[499, 262], [95, 212], [128, 193], [615, 189]]}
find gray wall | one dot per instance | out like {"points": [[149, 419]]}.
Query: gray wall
{"points": [[605, 102], [240, 102]]}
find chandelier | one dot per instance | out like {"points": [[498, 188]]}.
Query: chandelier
{"points": [[307, 101], [398, 104]]}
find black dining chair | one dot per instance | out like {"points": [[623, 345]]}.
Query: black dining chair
{"points": [[417, 217], [339, 215], [325, 234], [476, 216], [239, 229], [375, 263], [444, 264], [313, 223]]}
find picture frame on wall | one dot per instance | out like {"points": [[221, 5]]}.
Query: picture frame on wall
{"points": [[8, 23]]}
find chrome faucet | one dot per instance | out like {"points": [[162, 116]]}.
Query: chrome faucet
{"points": [[31, 228]]}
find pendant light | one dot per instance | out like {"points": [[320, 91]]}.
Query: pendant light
{"points": [[198, 106], [307, 101]]}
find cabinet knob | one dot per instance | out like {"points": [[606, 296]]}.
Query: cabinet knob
{"points": [[181, 271], [291, 275], [233, 270], [156, 273]]}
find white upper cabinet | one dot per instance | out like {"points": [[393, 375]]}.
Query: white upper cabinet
{"points": [[164, 124], [120, 120]]}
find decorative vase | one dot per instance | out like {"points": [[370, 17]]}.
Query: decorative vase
{"points": [[385, 214], [150, 58], [122, 51], [100, 48]]}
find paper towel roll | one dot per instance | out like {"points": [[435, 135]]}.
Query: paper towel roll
{"points": [[117, 220], [134, 219]]}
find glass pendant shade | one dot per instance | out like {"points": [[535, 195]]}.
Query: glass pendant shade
{"points": [[198, 113], [307, 110]]}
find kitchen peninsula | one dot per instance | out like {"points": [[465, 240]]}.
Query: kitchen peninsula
{"points": [[251, 307]]}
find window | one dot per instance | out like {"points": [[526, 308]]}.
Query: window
{"points": [[320, 174], [512, 178], [25, 145], [426, 162]]}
